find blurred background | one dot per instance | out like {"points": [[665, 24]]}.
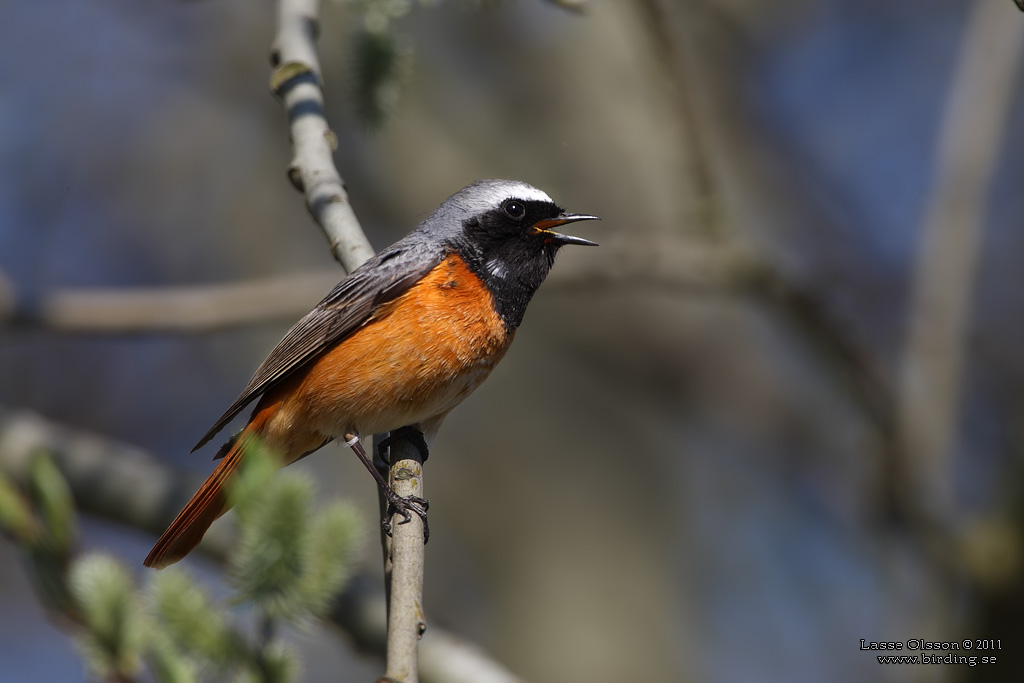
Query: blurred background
{"points": [[779, 410]]}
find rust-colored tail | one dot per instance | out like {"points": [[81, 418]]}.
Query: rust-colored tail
{"points": [[208, 503]]}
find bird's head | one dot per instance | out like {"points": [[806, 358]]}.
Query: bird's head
{"points": [[507, 231]]}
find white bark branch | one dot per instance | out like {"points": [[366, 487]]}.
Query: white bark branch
{"points": [[406, 623], [982, 90], [296, 80]]}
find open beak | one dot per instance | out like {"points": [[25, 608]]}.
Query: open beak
{"points": [[546, 226]]}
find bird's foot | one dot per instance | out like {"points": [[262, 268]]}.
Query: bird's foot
{"points": [[404, 506]]}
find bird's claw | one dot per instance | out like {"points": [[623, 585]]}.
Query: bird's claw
{"points": [[404, 505]]}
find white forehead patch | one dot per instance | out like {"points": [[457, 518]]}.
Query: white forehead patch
{"points": [[501, 192], [485, 195]]}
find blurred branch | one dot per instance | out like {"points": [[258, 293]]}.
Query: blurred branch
{"points": [[704, 267], [678, 265], [296, 80], [166, 309], [683, 266], [576, 6], [701, 45], [131, 486], [704, 37], [694, 266], [660, 20], [980, 97]]}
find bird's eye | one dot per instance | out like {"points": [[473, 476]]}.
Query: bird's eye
{"points": [[514, 208]]}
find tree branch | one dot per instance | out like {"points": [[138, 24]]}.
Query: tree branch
{"points": [[681, 266], [406, 623], [575, 6], [692, 266], [296, 80], [162, 310], [128, 485], [975, 121]]}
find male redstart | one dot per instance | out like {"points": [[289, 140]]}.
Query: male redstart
{"points": [[395, 346]]}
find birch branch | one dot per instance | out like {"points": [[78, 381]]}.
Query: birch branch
{"points": [[980, 97], [404, 571], [296, 80]]}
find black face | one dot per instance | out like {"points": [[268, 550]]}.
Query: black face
{"points": [[510, 254]]}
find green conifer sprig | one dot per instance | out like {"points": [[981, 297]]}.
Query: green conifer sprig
{"points": [[42, 520], [329, 556], [111, 612], [287, 567], [166, 662], [16, 518], [289, 562], [56, 506], [190, 619], [278, 663], [268, 564]]}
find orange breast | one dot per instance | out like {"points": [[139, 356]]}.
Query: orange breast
{"points": [[415, 359]]}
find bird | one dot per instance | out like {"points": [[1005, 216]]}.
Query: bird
{"points": [[395, 346]]}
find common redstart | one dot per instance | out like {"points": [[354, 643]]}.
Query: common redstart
{"points": [[395, 346]]}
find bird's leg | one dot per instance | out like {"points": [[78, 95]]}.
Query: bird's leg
{"points": [[408, 434], [396, 503], [415, 437]]}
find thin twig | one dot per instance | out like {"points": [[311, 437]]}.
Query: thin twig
{"points": [[131, 486]]}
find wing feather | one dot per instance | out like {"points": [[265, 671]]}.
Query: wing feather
{"points": [[346, 308]]}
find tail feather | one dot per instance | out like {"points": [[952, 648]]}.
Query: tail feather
{"points": [[208, 503]]}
